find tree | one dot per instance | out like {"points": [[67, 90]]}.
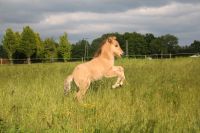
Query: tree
{"points": [[50, 49], [64, 49], [157, 46], [136, 43], [78, 49], [18, 38], [28, 43], [149, 37], [17, 54], [2, 52], [9, 43], [39, 46], [171, 42], [195, 46]]}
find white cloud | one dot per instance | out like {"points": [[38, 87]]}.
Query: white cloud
{"points": [[181, 19], [61, 18]]}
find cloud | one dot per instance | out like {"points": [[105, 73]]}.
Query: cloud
{"points": [[92, 18], [17, 11]]}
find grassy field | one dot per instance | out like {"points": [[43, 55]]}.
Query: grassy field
{"points": [[161, 96]]}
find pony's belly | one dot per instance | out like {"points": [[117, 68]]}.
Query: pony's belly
{"points": [[96, 73], [96, 76]]}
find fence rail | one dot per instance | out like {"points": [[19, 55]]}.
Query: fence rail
{"points": [[51, 60]]}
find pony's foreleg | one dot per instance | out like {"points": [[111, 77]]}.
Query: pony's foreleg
{"points": [[117, 83], [67, 84], [120, 80], [119, 72], [122, 77]]}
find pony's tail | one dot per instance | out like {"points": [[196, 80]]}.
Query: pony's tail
{"points": [[67, 84]]}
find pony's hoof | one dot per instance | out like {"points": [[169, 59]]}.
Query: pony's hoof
{"points": [[113, 86], [66, 93]]}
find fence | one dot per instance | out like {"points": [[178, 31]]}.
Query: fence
{"points": [[161, 56], [51, 60]]}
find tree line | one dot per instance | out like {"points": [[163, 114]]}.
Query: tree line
{"points": [[139, 44], [28, 44]]}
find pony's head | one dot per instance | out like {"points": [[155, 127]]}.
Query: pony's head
{"points": [[114, 46], [109, 45]]}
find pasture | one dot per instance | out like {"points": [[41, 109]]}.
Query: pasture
{"points": [[161, 96]]}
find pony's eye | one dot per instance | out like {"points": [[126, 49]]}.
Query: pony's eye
{"points": [[116, 45]]}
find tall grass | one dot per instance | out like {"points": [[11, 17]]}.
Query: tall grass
{"points": [[161, 96]]}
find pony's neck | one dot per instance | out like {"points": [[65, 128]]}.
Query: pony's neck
{"points": [[107, 55]]}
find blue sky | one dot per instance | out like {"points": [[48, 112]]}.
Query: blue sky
{"points": [[92, 18]]}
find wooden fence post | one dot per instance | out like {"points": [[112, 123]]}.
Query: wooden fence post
{"points": [[1, 61]]}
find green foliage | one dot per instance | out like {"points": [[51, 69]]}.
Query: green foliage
{"points": [[39, 46], [171, 43], [9, 42], [137, 43], [78, 49], [18, 38], [3, 53], [28, 43], [149, 37], [157, 46], [64, 48], [195, 46], [50, 48], [160, 96], [164, 45]]}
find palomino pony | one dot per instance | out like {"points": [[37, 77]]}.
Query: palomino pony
{"points": [[102, 65]]}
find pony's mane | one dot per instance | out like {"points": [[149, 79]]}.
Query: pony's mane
{"points": [[99, 50]]}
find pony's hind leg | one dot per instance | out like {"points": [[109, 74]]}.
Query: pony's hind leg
{"points": [[67, 84], [83, 87]]}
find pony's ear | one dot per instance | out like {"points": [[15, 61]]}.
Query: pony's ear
{"points": [[114, 37], [110, 39]]}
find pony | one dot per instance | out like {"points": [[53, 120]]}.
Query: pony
{"points": [[102, 65]]}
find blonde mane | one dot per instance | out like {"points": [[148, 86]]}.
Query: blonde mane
{"points": [[99, 50]]}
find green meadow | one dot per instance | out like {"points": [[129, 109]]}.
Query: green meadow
{"points": [[159, 96]]}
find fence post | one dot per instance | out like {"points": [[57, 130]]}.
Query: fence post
{"points": [[82, 59], [170, 55], [1, 61], [126, 48]]}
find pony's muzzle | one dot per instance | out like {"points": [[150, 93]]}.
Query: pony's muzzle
{"points": [[122, 53]]}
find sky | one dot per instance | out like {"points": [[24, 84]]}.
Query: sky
{"points": [[92, 18]]}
